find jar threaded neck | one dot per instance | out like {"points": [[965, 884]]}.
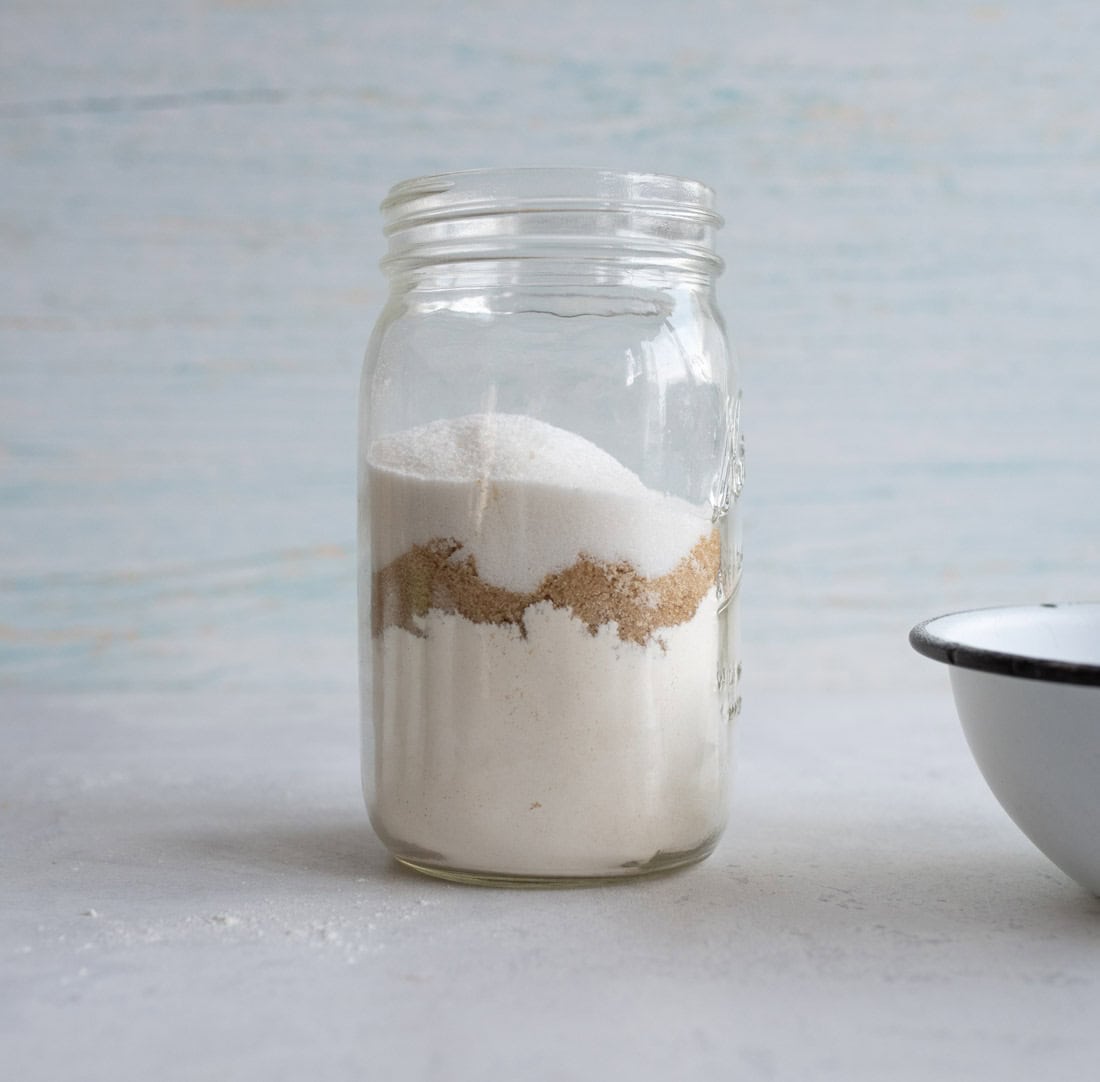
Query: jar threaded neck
{"points": [[642, 220]]}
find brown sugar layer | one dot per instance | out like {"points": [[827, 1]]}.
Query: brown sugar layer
{"points": [[437, 576]]}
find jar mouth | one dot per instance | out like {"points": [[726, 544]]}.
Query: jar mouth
{"points": [[558, 212], [564, 188]]}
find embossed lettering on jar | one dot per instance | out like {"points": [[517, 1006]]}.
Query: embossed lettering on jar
{"points": [[550, 465]]}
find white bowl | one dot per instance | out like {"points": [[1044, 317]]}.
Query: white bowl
{"points": [[1027, 688]]}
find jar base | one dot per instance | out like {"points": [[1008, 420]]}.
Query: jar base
{"points": [[659, 864]]}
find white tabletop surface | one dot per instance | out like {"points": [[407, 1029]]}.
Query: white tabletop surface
{"points": [[192, 891], [189, 229]]}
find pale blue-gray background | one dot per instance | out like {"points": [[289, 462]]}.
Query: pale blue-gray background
{"points": [[188, 214], [189, 237]]}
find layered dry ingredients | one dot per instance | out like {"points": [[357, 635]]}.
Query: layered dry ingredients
{"points": [[546, 639]]}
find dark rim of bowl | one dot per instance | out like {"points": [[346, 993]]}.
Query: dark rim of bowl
{"points": [[925, 641], [928, 643]]}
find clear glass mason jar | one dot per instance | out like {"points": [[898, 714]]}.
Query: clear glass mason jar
{"points": [[550, 463]]}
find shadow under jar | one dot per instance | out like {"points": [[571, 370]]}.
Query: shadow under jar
{"points": [[550, 463]]}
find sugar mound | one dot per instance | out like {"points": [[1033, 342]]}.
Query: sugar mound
{"points": [[503, 447], [522, 497]]}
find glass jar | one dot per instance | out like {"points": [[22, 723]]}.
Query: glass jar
{"points": [[550, 462]]}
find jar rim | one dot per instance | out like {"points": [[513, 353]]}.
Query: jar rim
{"points": [[542, 214], [468, 192]]}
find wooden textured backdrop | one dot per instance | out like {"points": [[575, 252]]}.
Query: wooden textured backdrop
{"points": [[189, 228]]}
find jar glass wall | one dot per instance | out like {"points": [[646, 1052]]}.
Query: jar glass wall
{"points": [[550, 462]]}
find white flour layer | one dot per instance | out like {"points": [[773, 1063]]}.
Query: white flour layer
{"points": [[524, 498], [564, 753]]}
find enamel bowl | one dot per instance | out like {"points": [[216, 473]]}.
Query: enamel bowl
{"points": [[1026, 682]]}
